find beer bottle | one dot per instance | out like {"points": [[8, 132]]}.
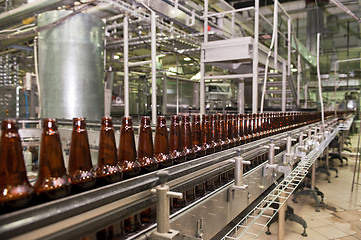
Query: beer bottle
{"points": [[108, 169], [241, 128], [247, 128], [216, 142], [206, 137], [187, 142], [197, 137], [236, 136], [146, 158], [81, 170], [52, 182], [175, 141], [230, 130], [255, 127], [127, 152], [223, 132], [15, 188], [161, 144]]}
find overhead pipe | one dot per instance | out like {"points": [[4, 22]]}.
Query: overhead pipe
{"points": [[18, 14], [346, 10]]}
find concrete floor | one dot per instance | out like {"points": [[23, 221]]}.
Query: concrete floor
{"points": [[341, 216]]}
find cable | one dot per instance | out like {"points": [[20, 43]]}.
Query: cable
{"points": [[275, 15]]}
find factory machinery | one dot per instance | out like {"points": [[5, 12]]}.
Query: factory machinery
{"points": [[223, 195]]}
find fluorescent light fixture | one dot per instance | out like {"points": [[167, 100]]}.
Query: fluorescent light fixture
{"points": [[116, 57], [187, 59]]}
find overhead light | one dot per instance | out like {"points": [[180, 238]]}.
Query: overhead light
{"points": [[161, 55], [116, 57], [187, 59]]}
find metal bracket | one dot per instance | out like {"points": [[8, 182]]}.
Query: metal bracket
{"points": [[163, 194], [200, 228], [238, 171]]}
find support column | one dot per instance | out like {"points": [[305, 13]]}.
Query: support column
{"points": [[284, 86], [165, 96], [289, 40], [306, 96], [126, 69], [255, 59], [275, 22], [154, 67], [240, 97], [281, 219], [298, 79], [202, 100]]}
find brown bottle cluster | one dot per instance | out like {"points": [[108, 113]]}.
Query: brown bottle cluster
{"points": [[189, 137]]}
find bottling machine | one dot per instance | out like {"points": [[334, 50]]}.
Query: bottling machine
{"points": [[245, 181]]}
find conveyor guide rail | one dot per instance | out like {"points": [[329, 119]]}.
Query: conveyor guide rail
{"points": [[279, 195]]}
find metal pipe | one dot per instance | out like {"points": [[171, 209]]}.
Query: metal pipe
{"points": [[232, 24], [255, 59], [230, 11], [282, 217], [177, 86], [230, 76], [154, 67], [126, 69], [289, 40], [306, 96], [275, 28], [238, 173], [134, 64], [165, 95], [271, 153], [298, 78], [202, 90], [319, 81], [346, 10], [284, 82], [37, 75], [18, 14], [240, 99], [205, 30]]}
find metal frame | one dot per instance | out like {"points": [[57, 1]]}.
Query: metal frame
{"points": [[279, 195]]}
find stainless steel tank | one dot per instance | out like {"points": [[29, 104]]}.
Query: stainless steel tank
{"points": [[71, 66]]}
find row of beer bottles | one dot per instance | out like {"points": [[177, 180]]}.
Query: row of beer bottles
{"points": [[185, 142]]}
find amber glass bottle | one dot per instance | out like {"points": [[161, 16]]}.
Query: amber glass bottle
{"points": [[187, 140], [261, 125], [132, 224], [127, 152], [108, 169], [214, 126], [146, 158], [15, 188], [161, 144], [81, 171], [52, 182], [175, 141], [255, 128], [230, 130], [241, 128], [247, 128], [206, 136], [223, 132], [236, 136], [197, 137]]}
